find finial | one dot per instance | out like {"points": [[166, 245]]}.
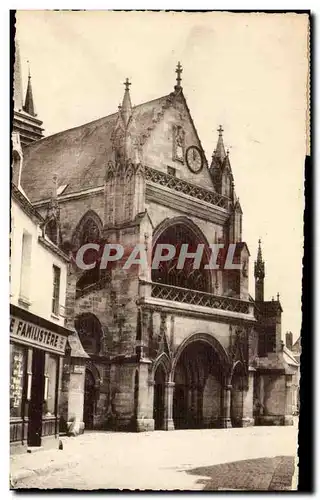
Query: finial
{"points": [[220, 130], [272, 299], [127, 84], [179, 72], [228, 152], [259, 242], [29, 72], [278, 296]]}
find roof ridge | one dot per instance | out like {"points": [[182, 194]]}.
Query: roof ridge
{"points": [[94, 121]]}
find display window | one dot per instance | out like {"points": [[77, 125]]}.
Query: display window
{"points": [[51, 371], [18, 356]]}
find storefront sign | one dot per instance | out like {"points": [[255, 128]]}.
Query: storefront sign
{"points": [[29, 333]]}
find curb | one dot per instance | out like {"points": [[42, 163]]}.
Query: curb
{"points": [[26, 473]]}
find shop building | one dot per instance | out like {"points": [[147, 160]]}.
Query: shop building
{"points": [[38, 336]]}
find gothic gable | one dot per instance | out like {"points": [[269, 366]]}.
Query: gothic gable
{"points": [[173, 146]]}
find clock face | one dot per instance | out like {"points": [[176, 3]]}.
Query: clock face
{"points": [[194, 159]]}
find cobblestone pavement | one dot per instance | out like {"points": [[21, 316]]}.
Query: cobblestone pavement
{"points": [[208, 459]]}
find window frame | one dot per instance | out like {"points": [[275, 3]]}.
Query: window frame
{"points": [[55, 306]]}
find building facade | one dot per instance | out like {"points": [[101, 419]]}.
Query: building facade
{"points": [[293, 350], [167, 348], [38, 337]]}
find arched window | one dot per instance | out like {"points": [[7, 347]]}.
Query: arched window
{"points": [[90, 232], [52, 231], [187, 277], [90, 332]]}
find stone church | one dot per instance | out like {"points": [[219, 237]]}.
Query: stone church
{"points": [[154, 349]]}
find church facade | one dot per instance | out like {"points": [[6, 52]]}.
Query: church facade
{"points": [[164, 348]]}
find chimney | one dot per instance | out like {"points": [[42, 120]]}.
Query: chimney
{"points": [[289, 340]]}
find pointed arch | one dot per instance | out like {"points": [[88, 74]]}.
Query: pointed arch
{"points": [[164, 361], [206, 338], [177, 231], [183, 220], [88, 229], [90, 332]]}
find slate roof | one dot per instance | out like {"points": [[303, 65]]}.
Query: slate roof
{"points": [[79, 156]]}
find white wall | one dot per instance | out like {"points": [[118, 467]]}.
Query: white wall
{"points": [[41, 272]]}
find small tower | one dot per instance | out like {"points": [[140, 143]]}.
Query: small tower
{"points": [[25, 121], [124, 181], [259, 275], [220, 168], [123, 138]]}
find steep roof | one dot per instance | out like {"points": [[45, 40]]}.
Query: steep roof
{"points": [[79, 156]]}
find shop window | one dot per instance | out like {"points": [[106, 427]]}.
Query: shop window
{"points": [[17, 377], [49, 407], [56, 290], [25, 265]]}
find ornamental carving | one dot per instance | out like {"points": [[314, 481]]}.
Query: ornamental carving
{"points": [[178, 143]]}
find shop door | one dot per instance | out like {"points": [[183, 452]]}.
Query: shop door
{"points": [[37, 398], [89, 392]]}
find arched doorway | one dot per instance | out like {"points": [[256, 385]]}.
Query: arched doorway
{"points": [[198, 394], [237, 393], [89, 400], [159, 398]]}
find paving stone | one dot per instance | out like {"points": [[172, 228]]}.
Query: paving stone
{"points": [[211, 459]]}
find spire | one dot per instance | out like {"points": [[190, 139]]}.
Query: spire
{"points": [[126, 108], [28, 103], [179, 72], [220, 151], [17, 82], [259, 275], [259, 256]]}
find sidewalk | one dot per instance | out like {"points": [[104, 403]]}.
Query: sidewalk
{"points": [[38, 462]]}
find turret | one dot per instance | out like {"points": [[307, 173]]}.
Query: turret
{"points": [[220, 168]]}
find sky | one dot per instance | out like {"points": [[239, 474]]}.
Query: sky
{"points": [[247, 72]]}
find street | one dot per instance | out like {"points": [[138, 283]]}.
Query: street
{"points": [[253, 458]]}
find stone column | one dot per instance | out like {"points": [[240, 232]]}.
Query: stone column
{"points": [[72, 395], [145, 421], [226, 420], [168, 423], [248, 419], [288, 420]]}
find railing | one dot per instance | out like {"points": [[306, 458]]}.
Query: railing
{"points": [[185, 187], [194, 297]]}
